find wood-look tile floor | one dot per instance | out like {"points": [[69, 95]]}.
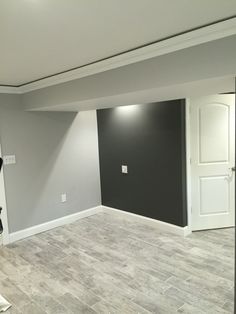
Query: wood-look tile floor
{"points": [[109, 264]]}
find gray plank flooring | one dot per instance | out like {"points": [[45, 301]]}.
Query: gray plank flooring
{"points": [[110, 264]]}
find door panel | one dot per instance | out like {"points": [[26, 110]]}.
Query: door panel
{"points": [[214, 195], [212, 157], [213, 131]]}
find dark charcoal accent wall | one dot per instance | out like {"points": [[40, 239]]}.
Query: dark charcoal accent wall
{"points": [[150, 139]]}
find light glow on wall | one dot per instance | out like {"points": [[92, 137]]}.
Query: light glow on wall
{"points": [[130, 109]]}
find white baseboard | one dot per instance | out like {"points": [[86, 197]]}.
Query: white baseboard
{"points": [[187, 231], [167, 227], [22, 234]]}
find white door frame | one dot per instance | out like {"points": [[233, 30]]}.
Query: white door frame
{"points": [[5, 235], [188, 165]]}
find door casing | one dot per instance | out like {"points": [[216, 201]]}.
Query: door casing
{"points": [[5, 235]]}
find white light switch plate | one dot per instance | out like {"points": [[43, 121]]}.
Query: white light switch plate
{"points": [[63, 198], [9, 159], [124, 169]]}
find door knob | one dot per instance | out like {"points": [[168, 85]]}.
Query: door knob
{"points": [[232, 170]]}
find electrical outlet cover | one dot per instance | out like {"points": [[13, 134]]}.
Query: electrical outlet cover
{"points": [[124, 169]]}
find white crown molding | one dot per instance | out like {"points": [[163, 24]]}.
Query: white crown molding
{"points": [[10, 90], [187, 40]]}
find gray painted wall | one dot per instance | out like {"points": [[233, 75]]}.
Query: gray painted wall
{"points": [[56, 153]]}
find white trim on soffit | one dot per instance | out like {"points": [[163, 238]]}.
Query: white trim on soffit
{"points": [[186, 40], [9, 90], [167, 227]]}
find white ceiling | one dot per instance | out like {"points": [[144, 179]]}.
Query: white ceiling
{"points": [[41, 38]]}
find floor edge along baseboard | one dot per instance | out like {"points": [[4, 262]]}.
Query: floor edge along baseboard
{"points": [[181, 231], [22, 234]]}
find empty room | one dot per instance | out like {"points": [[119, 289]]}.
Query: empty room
{"points": [[117, 156]]}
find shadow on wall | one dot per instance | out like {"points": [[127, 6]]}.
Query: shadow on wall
{"points": [[48, 172], [56, 153]]}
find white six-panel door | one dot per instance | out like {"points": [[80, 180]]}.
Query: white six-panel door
{"points": [[212, 121]]}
